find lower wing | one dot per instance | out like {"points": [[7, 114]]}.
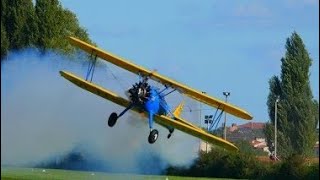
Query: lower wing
{"points": [[177, 123]]}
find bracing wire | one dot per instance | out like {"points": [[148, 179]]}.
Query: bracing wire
{"points": [[124, 88]]}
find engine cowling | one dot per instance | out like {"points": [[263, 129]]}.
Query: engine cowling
{"points": [[139, 93]]}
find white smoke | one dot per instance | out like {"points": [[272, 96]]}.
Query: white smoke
{"points": [[44, 116]]}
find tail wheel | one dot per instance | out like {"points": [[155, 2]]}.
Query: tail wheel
{"points": [[153, 136], [112, 119], [170, 132]]}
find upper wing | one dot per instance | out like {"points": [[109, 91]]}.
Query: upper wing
{"points": [[118, 61], [180, 124]]}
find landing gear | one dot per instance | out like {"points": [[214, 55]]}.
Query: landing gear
{"points": [[153, 136], [112, 119], [170, 133]]}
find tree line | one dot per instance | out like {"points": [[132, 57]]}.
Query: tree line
{"points": [[219, 163], [43, 24], [298, 116]]}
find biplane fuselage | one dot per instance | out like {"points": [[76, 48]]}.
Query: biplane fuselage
{"points": [[156, 104], [148, 99]]}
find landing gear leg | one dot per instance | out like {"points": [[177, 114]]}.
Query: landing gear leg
{"points": [[153, 136], [114, 117], [171, 130]]}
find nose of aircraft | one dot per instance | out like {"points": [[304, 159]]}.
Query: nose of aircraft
{"points": [[127, 93]]}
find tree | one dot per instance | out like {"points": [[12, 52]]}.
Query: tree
{"points": [[18, 21], [48, 16], [4, 41], [3, 10], [55, 25], [45, 26], [298, 112]]}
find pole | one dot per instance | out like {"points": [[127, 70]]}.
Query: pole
{"points": [[208, 121], [208, 131], [200, 123], [200, 118], [275, 127], [201, 110], [225, 118], [225, 122], [200, 115]]}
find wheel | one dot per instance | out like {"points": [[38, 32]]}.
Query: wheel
{"points": [[112, 119], [170, 132], [153, 136]]}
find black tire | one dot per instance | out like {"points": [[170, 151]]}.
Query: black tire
{"points": [[153, 136], [112, 119], [171, 130]]}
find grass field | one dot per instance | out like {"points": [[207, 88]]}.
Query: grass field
{"points": [[9, 173]]}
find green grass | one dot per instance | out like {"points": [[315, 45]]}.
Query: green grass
{"points": [[9, 173]]}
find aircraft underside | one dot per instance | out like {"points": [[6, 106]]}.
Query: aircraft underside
{"points": [[149, 99]]}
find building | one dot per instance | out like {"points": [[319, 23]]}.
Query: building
{"points": [[260, 143], [205, 147], [248, 132]]}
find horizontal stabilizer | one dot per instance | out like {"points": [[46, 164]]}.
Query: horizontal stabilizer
{"points": [[178, 110]]}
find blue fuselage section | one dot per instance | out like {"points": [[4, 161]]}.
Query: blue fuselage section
{"points": [[155, 104]]}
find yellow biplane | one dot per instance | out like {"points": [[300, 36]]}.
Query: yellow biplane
{"points": [[149, 100]]}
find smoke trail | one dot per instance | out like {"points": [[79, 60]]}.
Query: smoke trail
{"points": [[44, 118]]}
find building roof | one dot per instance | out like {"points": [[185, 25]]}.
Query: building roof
{"points": [[252, 125]]}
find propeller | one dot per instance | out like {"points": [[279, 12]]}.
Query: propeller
{"points": [[140, 92]]}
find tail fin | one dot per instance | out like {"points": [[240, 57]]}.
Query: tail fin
{"points": [[178, 109]]}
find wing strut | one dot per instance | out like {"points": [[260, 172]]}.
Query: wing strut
{"points": [[91, 66], [169, 92], [217, 119]]}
